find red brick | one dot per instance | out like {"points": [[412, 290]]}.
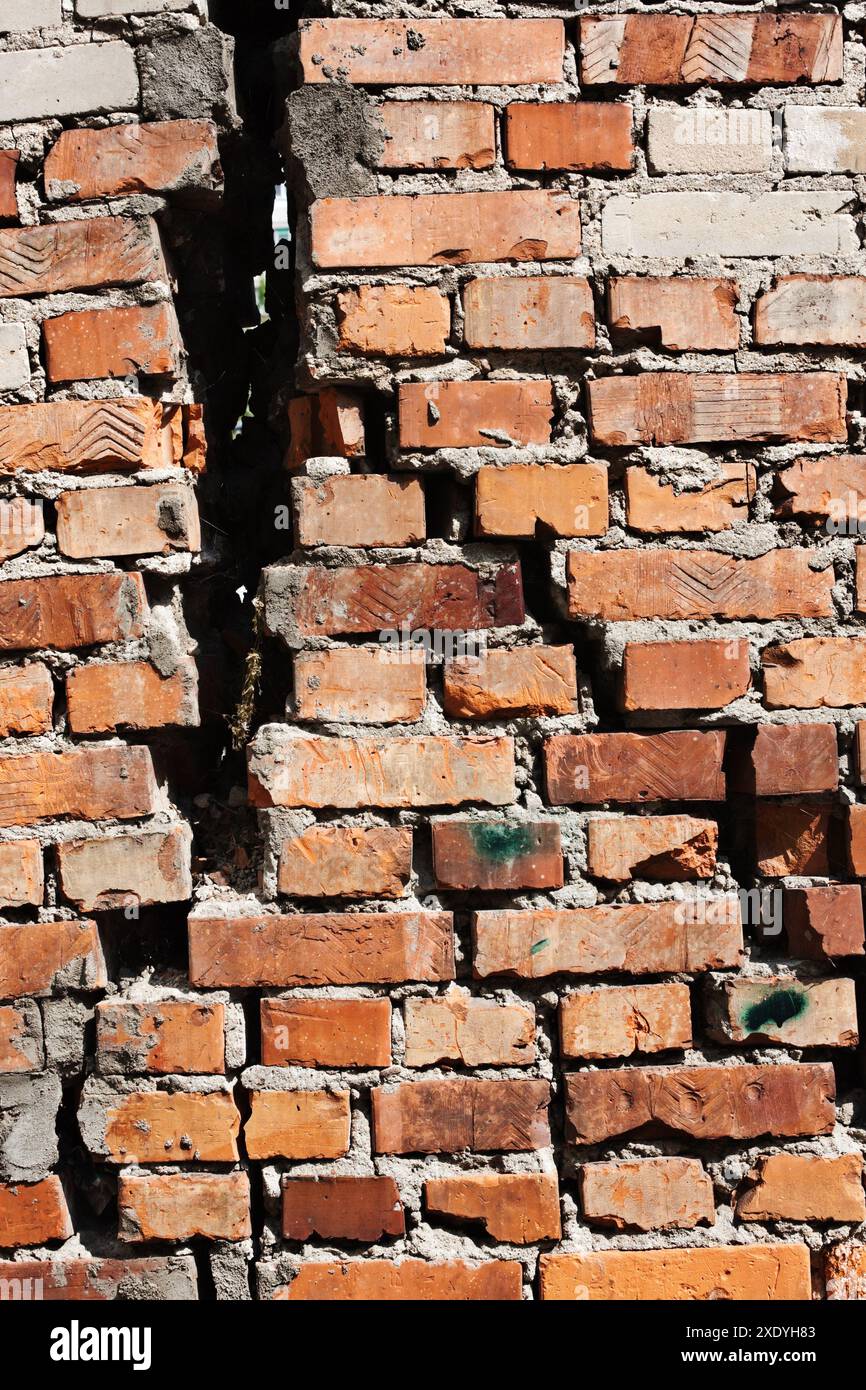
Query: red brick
{"points": [[856, 839], [103, 696], [168, 1036], [140, 341], [784, 1010], [326, 1032], [359, 510], [678, 765], [656, 507], [824, 923], [637, 938], [620, 585], [363, 1209], [533, 312], [696, 408], [181, 1206], [71, 610], [448, 1116], [158, 157], [684, 675], [845, 1271], [675, 50], [34, 1213], [413, 1281], [349, 948], [474, 414], [112, 436], [360, 685], [21, 1042], [518, 1208], [47, 956], [821, 489], [494, 855], [528, 500], [22, 526], [95, 783], [736, 1102], [129, 870], [328, 424], [128, 521], [647, 1194], [803, 1187], [26, 699], [747, 1273], [89, 1280], [788, 760], [518, 680], [94, 253], [569, 135], [671, 848], [286, 769], [455, 1027], [166, 1127], [8, 201], [298, 1124], [529, 224], [616, 1021], [822, 309], [346, 861], [792, 838], [438, 135], [393, 321], [450, 51], [22, 879], [859, 752], [681, 313], [812, 672]]}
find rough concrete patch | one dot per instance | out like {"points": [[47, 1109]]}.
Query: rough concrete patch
{"points": [[334, 137]]}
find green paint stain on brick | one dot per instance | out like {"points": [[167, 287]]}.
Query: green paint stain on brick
{"points": [[777, 1008], [501, 843]]}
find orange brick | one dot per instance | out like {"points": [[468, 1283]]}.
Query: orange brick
{"points": [[412, 1281], [131, 869], [158, 157], [569, 135], [784, 1010], [95, 783], [824, 923], [681, 313], [447, 1116], [616, 1021], [94, 253], [113, 436], [433, 51], [747, 1273], [658, 847], [393, 321], [104, 696], [474, 414], [497, 854], [128, 521], [444, 229], [477, 1032], [684, 675], [786, 760], [803, 1187], [359, 510], [326, 1032], [34, 1213], [532, 312], [346, 861], [71, 1280], [519, 1208], [821, 489], [37, 960], [360, 685], [179, 1036], [656, 507], [792, 838], [71, 610], [345, 1208], [528, 500], [166, 1127], [26, 699], [518, 680], [22, 878], [647, 1194], [678, 765], [140, 341], [298, 1124], [8, 201], [328, 424], [21, 1042], [438, 135], [812, 672], [181, 1206], [22, 526], [845, 1271]]}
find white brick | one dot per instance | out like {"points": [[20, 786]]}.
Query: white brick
{"points": [[93, 9], [17, 16], [14, 362], [825, 140], [710, 140], [67, 81], [728, 224]]}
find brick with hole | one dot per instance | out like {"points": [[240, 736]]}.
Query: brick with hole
{"points": [[44, 958], [135, 869], [359, 509], [182, 1206], [824, 922], [457, 1027], [647, 1194], [130, 1122], [405, 1281], [569, 135], [104, 436], [656, 507], [497, 855], [506, 681], [128, 521], [8, 200], [786, 760], [342, 1208], [793, 837], [95, 783], [165, 1037], [815, 672], [71, 610], [703, 674], [826, 310], [326, 1032], [346, 861], [737, 1273], [22, 1047], [475, 414], [677, 765], [463, 1113], [297, 1124], [107, 695], [681, 313], [91, 254], [529, 500], [149, 157], [327, 424], [832, 488], [92, 344], [438, 135], [34, 1213], [619, 1020], [670, 848], [803, 1187], [348, 948], [22, 526], [393, 320], [22, 876], [360, 685], [26, 699], [532, 312], [782, 1009], [517, 1208]]}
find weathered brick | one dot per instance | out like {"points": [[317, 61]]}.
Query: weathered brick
{"points": [[286, 769], [360, 685], [812, 672], [71, 1280], [704, 674], [822, 489], [438, 135], [616, 1021], [656, 507], [824, 923], [531, 312], [456, 1027], [747, 1273], [678, 765], [107, 695], [519, 680], [569, 135], [694, 407], [115, 436], [328, 424], [647, 1194], [347, 1208], [856, 839], [783, 1009], [298, 1124], [859, 752], [22, 1046], [346, 861], [518, 1208], [67, 81], [792, 838], [787, 760], [95, 783], [824, 140], [620, 585], [22, 878], [148, 157], [326, 1032], [165, 1127], [343, 949], [128, 521], [803, 1187], [140, 341], [709, 140], [676, 50], [14, 357], [448, 1116], [133, 869], [845, 1271], [8, 166], [22, 526], [181, 1206], [413, 1281], [26, 699], [71, 610], [672, 848], [450, 51], [95, 253], [683, 313], [638, 938], [737, 1102], [47, 956], [497, 854], [474, 414], [526, 500], [680, 226], [529, 224], [393, 321], [359, 510], [34, 1213], [181, 1036], [822, 309]]}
